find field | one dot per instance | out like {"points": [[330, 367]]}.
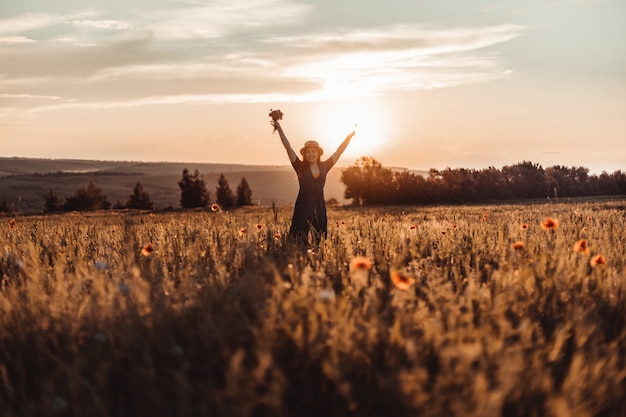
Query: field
{"points": [[507, 310]]}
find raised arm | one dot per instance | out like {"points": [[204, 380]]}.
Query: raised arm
{"points": [[342, 147], [290, 152]]}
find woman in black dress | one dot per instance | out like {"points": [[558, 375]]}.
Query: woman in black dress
{"points": [[309, 214]]}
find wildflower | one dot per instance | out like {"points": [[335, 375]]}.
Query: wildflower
{"points": [[387, 215], [147, 250], [402, 282], [549, 223], [215, 207], [581, 246], [242, 231], [413, 227], [259, 226], [523, 226], [597, 260], [519, 245], [277, 236], [11, 223], [152, 215], [584, 229], [360, 263], [443, 232], [454, 226]]}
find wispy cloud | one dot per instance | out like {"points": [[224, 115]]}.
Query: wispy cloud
{"points": [[30, 96], [14, 40], [405, 56], [219, 18], [176, 52], [35, 21], [99, 24]]}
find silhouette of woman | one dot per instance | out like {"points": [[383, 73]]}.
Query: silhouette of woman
{"points": [[309, 214]]}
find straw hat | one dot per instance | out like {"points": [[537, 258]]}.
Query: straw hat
{"points": [[311, 144]]}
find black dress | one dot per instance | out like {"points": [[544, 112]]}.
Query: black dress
{"points": [[309, 213]]}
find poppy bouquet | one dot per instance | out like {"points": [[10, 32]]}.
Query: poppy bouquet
{"points": [[276, 115]]}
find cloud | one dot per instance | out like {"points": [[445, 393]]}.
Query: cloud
{"points": [[14, 40], [231, 51], [99, 24], [218, 18], [398, 56], [29, 96], [34, 21], [358, 63]]}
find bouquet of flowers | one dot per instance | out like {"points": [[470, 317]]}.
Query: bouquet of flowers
{"points": [[276, 115]]}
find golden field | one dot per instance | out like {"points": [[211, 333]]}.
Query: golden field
{"points": [[499, 310]]}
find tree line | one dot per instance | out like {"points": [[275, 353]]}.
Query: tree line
{"points": [[193, 189], [368, 182]]}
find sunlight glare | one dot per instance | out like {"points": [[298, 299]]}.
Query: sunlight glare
{"points": [[335, 120]]}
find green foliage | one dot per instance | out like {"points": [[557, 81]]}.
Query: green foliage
{"points": [[224, 195], [244, 193], [139, 199], [86, 198], [193, 191], [222, 315]]}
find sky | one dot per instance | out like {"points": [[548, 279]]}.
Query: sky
{"points": [[425, 84]]}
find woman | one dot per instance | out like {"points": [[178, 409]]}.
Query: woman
{"points": [[309, 214]]}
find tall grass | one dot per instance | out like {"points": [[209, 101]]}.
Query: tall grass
{"points": [[224, 316]]}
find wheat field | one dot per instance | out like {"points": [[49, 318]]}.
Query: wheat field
{"points": [[499, 310]]}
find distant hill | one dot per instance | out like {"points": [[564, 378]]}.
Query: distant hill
{"points": [[25, 181]]}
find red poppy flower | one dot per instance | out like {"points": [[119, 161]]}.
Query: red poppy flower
{"points": [[549, 223], [360, 263], [597, 260], [518, 245], [581, 246], [401, 281], [147, 250]]}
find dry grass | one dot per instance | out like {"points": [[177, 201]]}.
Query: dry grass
{"points": [[209, 314]]}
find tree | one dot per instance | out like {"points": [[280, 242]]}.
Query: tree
{"points": [[87, 198], [224, 195], [52, 203], [244, 193], [139, 199], [193, 191], [526, 180], [367, 182], [5, 207]]}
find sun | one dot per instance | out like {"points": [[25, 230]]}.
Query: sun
{"points": [[334, 120]]}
